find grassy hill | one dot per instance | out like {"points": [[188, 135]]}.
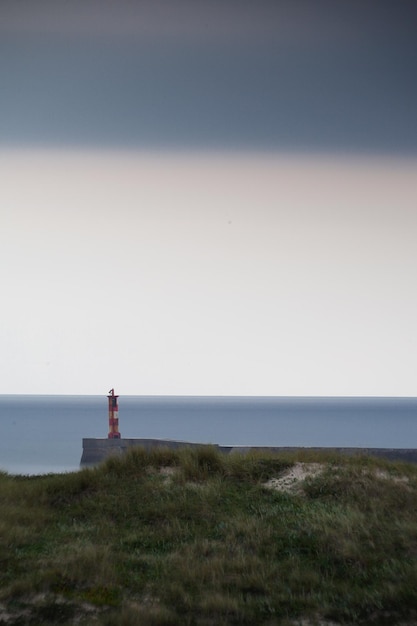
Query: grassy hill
{"points": [[196, 537]]}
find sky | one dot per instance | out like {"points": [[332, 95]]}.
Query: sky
{"points": [[208, 197]]}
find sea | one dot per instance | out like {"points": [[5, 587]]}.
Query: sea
{"points": [[43, 433]]}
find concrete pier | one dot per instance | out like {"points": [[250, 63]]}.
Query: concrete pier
{"points": [[97, 450]]}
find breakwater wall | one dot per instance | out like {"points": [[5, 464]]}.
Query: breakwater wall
{"points": [[97, 450]]}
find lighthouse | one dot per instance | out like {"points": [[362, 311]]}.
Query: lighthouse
{"points": [[113, 416]]}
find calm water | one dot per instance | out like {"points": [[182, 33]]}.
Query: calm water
{"points": [[44, 433]]}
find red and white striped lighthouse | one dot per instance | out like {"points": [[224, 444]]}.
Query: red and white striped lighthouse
{"points": [[113, 416]]}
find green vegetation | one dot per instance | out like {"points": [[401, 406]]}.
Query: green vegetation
{"points": [[196, 537]]}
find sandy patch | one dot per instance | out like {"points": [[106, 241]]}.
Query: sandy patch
{"points": [[167, 471], [291, 480], [395, 479]]}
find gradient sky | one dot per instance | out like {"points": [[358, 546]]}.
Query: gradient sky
{"points": [[208, 197]]}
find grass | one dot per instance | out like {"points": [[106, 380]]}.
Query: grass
{"points": [[193, 537]]}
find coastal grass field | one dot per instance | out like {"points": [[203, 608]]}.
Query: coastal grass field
{"points": [[196, 537]]}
